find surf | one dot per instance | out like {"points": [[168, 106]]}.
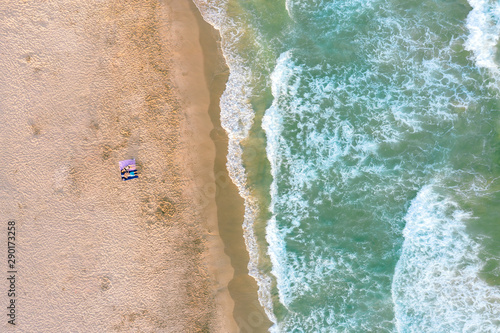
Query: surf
{"points": [[373, 104]]}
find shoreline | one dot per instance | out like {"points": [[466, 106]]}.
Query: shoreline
{"points": [[248, 312], [236, 290]]}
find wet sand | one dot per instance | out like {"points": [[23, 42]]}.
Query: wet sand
{"points": [[248, 313], [84, 85]]}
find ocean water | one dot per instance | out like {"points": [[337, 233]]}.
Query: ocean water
{"points": [[365, 140]]}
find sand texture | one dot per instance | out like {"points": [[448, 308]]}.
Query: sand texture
{"points": [[85, 84]]}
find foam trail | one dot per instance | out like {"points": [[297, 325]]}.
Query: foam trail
{"points": [[288, 7], [237, 118], [272, 125], [483, 23], [436, 287]]}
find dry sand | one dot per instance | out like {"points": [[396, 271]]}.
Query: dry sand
{"points": [[84, 84]]}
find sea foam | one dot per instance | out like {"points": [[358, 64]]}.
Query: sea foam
{"points": [[320, 160], [436, 286], [483, 23], [237, 118], [357, 126]]}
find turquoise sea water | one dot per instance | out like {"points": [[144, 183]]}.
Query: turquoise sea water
{"points": [[365, 139]]}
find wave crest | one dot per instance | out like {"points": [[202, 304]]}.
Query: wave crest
{"points": [[436, 286]]}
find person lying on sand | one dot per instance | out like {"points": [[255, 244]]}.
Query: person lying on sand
{"points": [[129, 168], [129, 171], [125, 172]]}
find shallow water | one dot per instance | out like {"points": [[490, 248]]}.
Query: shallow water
{"points": [[364, 139]]}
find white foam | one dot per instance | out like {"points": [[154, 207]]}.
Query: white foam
{"points": [[237, 118], [483, 23], [298, 274], [325, 149], [292, 274], [436, 287], [272, 125], [288, 8]]}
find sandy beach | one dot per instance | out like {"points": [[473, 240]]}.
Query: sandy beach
{"points": [[85, 85]]}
